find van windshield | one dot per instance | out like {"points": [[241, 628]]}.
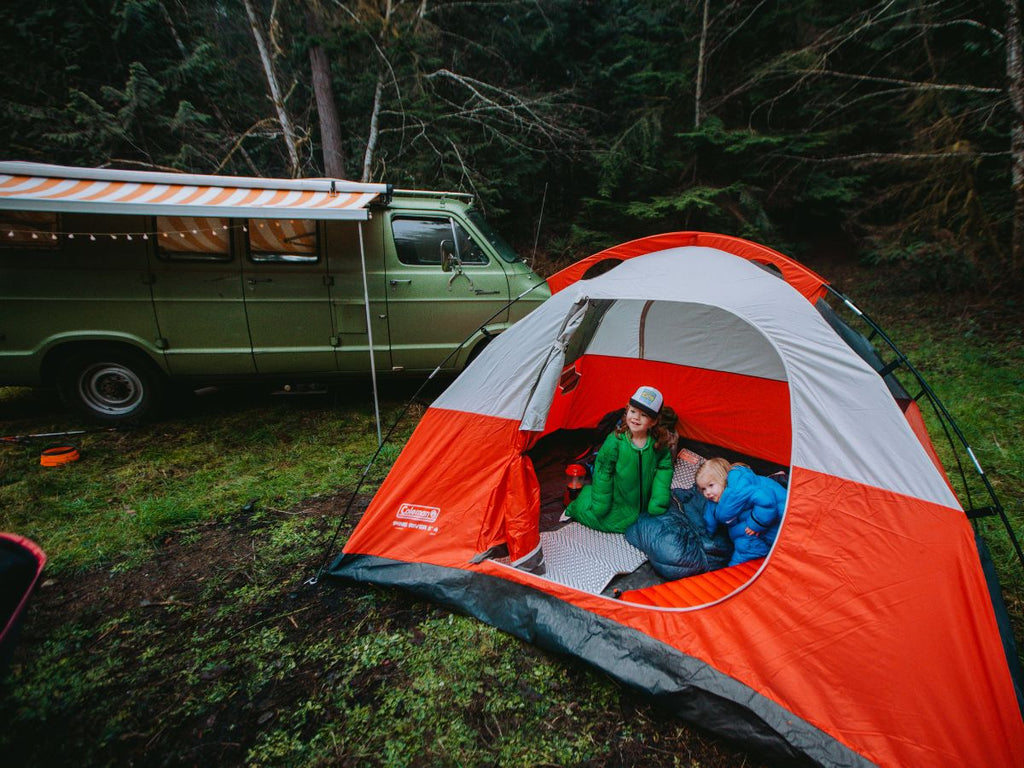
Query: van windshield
{"points": [[505, 251]]}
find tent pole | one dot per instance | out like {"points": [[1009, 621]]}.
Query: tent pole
{"points": [[945, 419], [369, 335]]}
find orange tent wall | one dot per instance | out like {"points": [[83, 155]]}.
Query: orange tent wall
{"points": [[759, 420], [460, 487], [843, 628]]}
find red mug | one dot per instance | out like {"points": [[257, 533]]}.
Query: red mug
{"points": [[574, 474]]}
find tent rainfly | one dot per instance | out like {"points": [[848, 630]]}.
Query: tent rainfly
{"points": [[868, 636]]}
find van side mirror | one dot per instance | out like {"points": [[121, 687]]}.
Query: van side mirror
{"points": [[449, 260]]}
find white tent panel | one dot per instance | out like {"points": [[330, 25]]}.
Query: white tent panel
{"points": [[503, 378], [697, 335], [844, 421]]}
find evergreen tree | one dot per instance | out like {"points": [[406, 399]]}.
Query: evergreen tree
{"points": [[897, 123]]}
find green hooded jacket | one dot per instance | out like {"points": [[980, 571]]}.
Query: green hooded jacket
{"points": [[627, 481]]}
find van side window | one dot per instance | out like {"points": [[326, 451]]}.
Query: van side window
{"points": [[191, 238], [283, 240], [34, 229], [418, 241]]}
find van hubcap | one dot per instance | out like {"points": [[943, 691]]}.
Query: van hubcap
{"points": [[110, 388]]}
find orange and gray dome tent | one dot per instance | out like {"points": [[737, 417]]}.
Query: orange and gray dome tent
{"points": [[867, 636]]}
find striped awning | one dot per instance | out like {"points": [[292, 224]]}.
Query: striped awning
{"points": [[37, 187]]}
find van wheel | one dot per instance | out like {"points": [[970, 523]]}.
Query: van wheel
{"points": [[110, 386]]}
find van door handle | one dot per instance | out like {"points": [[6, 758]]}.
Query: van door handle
{"points": [[480, 292], [396, 282], [254, 280]]}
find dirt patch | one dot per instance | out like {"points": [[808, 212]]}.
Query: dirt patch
{"points": [[179, 593], [176, 575], [161, 664]]}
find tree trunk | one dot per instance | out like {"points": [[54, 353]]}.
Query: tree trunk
{"points": [[698, 107], [326, 106], [378, 92], [275, 91], [1015, 87], [371, 140]]}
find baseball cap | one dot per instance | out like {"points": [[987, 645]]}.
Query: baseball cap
{"points": [[648, 400]]}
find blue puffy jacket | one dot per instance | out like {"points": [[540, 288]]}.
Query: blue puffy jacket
{"points": [[748, 501]]}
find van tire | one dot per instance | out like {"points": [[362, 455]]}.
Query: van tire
{"points": [[110, 385]]}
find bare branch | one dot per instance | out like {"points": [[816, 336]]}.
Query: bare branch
{"points": [[823, 47], [870, 158], [140, 164], [471, 4], [915, 85], [237, 146], [999, 36], [505, 105], [734, 28], [465, 171]]}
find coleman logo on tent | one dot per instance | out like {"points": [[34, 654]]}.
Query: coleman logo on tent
{"points": [[418, 513], [418, 517]]}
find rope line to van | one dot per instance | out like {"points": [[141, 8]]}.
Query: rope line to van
{"points": [[325, 558]]}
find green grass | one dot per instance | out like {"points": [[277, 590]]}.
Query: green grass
{"points": [[130, 487], [175, 623]]}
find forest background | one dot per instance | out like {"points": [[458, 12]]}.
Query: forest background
{"points": [[888, 135], [892, 130]]}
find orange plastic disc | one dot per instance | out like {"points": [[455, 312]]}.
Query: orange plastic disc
{"points": [[58, 454]]}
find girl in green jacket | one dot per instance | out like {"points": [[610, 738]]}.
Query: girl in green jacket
{"points": [[632, 472]]}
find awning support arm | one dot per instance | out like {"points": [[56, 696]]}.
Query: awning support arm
{"points": [[369, 335]]}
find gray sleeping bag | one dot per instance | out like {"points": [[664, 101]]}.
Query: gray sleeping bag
{"points": [[676, 543]]}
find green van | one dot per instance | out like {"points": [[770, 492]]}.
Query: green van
{"points": [[114, 284]]}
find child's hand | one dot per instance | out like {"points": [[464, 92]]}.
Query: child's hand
{"points": [[751, 532]]}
